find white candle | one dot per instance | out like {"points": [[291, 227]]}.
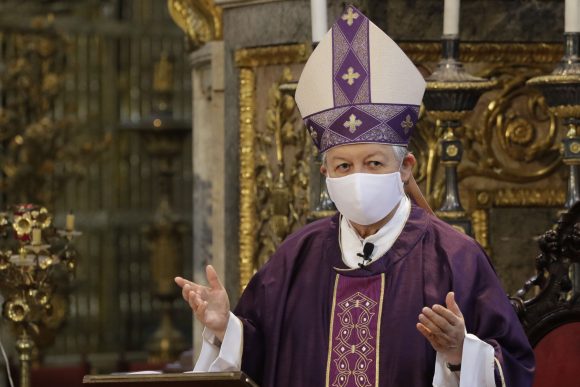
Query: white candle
{"points": [[319, 19], [70, 222], [572, 16], [451, 17]]}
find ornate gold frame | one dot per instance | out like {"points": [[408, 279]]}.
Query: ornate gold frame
{"points": [[484, 200], [248, 59]]}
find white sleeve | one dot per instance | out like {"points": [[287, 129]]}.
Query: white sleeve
{"points": [[225, 357], [477, 366]]}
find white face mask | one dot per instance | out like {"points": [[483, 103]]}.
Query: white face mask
{"points": [[365, 198]]}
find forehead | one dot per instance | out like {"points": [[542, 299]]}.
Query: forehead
{"points": [[360, 151]]}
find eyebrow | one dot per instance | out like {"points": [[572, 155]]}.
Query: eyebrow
{"points": [[374, 154]]}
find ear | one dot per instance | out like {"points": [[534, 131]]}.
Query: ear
{"points": [[323, 170], [407, 168]]}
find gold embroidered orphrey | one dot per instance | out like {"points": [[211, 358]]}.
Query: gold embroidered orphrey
{"points": [[352, 348]]}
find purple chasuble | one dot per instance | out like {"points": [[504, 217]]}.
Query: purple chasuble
{"points": [[294, 301]]}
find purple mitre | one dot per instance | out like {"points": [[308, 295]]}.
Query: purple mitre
{"points": [[358, 86]]}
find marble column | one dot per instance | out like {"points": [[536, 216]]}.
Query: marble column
{"points": [[208, 166]]}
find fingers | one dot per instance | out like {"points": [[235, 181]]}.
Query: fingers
{"points": [[181, 282], [452, 305], [447, 314], [188, 286], [212, 278], [196, 303], [202, 305], [436, 341], [434, 321]]}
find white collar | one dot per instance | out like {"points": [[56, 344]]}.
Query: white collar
{"points": [[352, 244]]}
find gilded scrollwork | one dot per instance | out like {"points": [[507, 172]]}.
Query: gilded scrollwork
{"points": [[248, 215], [201, 20], [511, 136], [282, 169], [515, 138], [272, 204]]}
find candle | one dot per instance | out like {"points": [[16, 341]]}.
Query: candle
{"points": [[319, 19], [70, 222], [36, 236], [451, 17], [572, 16]]}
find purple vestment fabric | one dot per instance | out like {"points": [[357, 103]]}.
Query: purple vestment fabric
{"points": [[286, 309]]}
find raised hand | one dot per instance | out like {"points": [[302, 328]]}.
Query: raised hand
{"points": [[444, 328], [210, 305]]}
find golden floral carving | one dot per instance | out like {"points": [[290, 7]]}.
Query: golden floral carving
{"points": [[201, 20], [248, 217], [510, 136], [282, 185], [257, 184]]}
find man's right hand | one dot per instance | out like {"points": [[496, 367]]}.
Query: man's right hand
{"points": [[210, 305]]}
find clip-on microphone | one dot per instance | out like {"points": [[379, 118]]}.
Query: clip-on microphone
{"points": [[366, 255]]}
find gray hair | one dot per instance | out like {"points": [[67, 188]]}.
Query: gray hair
{"points": [[400, 153]]}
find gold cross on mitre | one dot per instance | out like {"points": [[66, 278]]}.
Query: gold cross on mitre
{"points": [[350, 76], [407, 124], [352, 123], [350, 16], [313, 133]]}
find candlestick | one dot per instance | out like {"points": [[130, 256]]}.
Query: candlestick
{"points": [[319, 19], [451, 17], [36, 236], [572, 16], [70, 222]]}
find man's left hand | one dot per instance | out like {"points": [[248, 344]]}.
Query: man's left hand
{"points": [[444, 328]]}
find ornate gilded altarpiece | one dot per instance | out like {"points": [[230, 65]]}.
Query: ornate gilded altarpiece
{"points": [[512, 181]]}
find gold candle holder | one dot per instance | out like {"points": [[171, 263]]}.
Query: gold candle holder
{"points": [[32, 253]]}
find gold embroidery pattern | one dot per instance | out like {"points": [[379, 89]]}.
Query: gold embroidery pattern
{"points": [[350, 76], [407, 124], [313, 134], [350, 16], [353, 359], [352, 124]]}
